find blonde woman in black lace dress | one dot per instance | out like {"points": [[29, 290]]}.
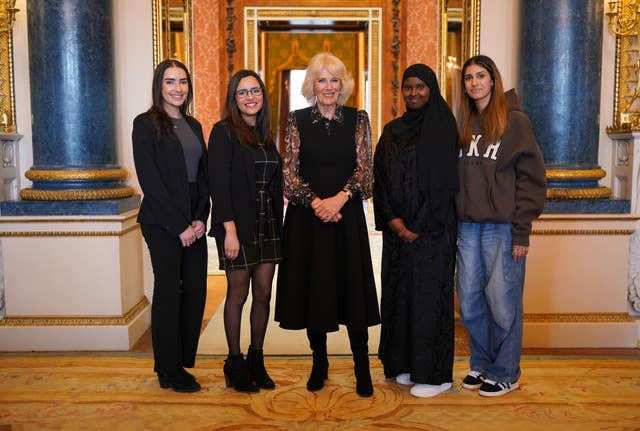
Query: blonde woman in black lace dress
{"points": [[326, 278]]}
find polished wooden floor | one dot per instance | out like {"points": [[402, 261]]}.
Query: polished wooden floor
{"points": [[216, 289]]}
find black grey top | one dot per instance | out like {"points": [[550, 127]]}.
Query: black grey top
{"points": [[190, 146]]}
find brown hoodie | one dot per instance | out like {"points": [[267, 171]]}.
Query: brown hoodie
{"points": [[503, 182]]}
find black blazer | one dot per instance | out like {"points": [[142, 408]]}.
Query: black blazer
{"points": [[233, 186], [162, 174]]}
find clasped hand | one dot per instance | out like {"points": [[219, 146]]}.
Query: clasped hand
{"points": [[328, 210], [397, 225], [192, 233]]}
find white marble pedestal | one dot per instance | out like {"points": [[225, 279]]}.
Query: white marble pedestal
{"points": [[72, 283], [576, 282]]}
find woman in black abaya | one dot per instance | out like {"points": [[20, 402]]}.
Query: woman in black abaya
{"points": [[415, 181]]}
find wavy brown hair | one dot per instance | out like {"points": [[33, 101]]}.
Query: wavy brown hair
{"points": [[494, 115], [232, 117], [160, 116]]}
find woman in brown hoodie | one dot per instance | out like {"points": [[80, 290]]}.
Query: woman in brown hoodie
{"points": [[502, 189]]}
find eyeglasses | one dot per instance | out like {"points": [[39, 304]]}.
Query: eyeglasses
{"points": [[256, 91]]}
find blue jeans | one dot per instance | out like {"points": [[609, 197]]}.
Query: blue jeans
{"points": [[490, 284]]}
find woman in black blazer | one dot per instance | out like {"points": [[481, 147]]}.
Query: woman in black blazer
{"points": [[246, 220], [171, 163]]}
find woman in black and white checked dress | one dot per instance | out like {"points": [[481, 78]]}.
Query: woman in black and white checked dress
{"points": [[246, 220]]}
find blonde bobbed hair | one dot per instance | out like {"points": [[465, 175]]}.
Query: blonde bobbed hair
{"points": [[336, 67]]}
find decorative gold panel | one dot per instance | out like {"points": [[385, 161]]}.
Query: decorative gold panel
{"points": [[623, 19], [7, 99], [626, 109]]}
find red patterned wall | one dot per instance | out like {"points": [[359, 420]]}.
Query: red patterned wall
{"points": [[207, 62], [419, 44]]}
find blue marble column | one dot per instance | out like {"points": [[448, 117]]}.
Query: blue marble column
{"points": [[74, 168], [559, 78]]}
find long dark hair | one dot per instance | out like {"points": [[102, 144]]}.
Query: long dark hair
{"points": [[160, 116], [233, 117], [494, 114]]}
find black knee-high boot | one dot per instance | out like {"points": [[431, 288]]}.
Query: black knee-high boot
{"points": [[359, 347], [319, 370]]}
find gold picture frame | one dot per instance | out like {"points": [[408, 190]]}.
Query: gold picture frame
{"points": [[459, 40], [169, 42]]}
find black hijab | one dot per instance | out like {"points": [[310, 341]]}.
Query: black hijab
{"points": [[435, 126]]}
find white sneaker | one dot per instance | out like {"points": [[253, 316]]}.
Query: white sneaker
{"points": [[426, 391], [404, 379]]}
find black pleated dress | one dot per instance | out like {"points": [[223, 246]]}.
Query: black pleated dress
{"points": [[326, 277]]}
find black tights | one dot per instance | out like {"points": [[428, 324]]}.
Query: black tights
{"points": [[261, 277]]}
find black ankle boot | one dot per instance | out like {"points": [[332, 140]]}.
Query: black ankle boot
{"points": [[236, 374], [364, 386], [180, 381], [163, 378], [257, 372]]}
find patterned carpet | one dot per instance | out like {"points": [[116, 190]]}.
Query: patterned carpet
{"points": [[118, 391]]}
